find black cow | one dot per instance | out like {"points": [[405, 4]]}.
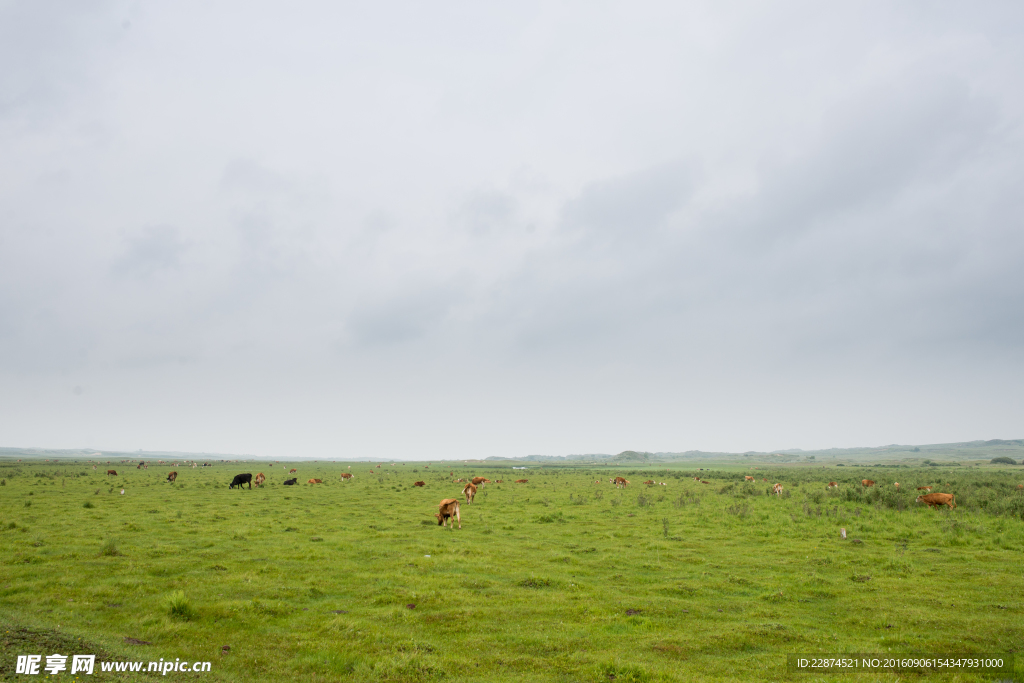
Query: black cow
{"points": [[291, 482], [241, 479]]}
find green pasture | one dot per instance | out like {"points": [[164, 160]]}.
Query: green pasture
{"points": [[558, 579]]}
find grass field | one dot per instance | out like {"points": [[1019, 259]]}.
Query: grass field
{"points": [[559, 579]]}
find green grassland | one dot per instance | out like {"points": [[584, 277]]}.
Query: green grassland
{"points": [[558, 579]]}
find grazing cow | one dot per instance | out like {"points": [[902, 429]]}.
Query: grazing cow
{"points": [[292, 471], [139, 466], [929, 488], [620, 482], [260, 478], [866, 483], [112, 472], [315, 481], [94, 466], [345, 476], [448, 509], [419, 483], [241, 479], [521, 481], [764, 480], [777, 489], [469, 492], [480, 481], [897, 485], [291, 482], [938, 499], [696, 478], [172, 476], [649, 482], [832, 485], [746, 478]]}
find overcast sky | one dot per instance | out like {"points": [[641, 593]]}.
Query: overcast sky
{"points": [[470, 229]]}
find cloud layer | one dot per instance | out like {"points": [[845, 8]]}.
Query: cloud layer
{"points": [[416, 232]]}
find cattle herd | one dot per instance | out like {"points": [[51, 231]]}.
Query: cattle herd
{"points": [[448, 512]]}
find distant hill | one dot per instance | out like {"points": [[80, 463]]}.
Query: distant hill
{"points": [[906, 454]]}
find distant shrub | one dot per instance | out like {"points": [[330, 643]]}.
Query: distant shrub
{"points": [[28, 503], [88, 504], [109, 548], [1003, 461]]}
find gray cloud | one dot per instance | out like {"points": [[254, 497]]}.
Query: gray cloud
{"points": [[475, 231]]}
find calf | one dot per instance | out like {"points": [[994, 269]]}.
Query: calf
{"points": [[172, 476], [292, 471], [315, 481], [469, 492], [502, 481], [419, 483], [649, 482], [345, 476], [938, 499], [448, 509], [112, 472], [260, 478], [620, 482], [897, 485], [866, 483], [241, 479], [927, 488], [291, 482], [746, 478], [832, 485], [777, 489]]}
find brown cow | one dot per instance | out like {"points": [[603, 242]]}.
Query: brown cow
{"points": [[420, 483], [260, 478], [937, 499], [469, 492], [866, 482], [746, 478], [112, 472], [315, 481], [620, 482], [924, 488], [897, 485], [480, 481], [704, 482], [777, 489], [499, 481], [1019, 487], [832, 485], [459, 481], [292, 471], [345, 476], [521, 481], [649, 482], [172, 476], [448, 509]]}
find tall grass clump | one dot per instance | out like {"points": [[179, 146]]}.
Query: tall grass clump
{"points": [[109, 548], [179, 606]]}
